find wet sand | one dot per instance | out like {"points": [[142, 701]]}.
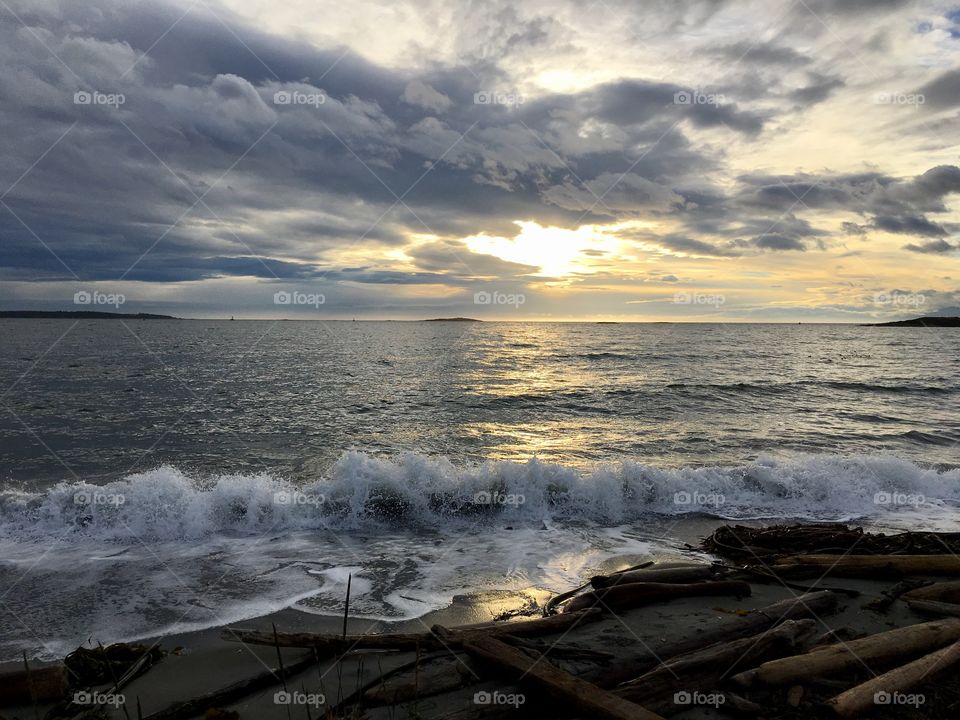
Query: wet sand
{"points": [[207, 662]]}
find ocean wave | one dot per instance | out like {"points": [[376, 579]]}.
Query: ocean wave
{"points": [[365, 492]]}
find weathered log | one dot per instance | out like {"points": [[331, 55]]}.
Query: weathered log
{"points": [[710, 666], [861, 698], [337, 644], [680, 575], [627, 668], [231, 693], [551, 607], [41, 684], [871, 565], [946, 592], [578, 694], [637, 594], [879, 648], [933, 607]]}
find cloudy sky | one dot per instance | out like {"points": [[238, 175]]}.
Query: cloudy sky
{"points": [[551, 159]]}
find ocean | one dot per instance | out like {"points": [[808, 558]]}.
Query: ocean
{"points": [[171, 475]]}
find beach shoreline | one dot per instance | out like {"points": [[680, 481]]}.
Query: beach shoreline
{"points": [[201, 662]]}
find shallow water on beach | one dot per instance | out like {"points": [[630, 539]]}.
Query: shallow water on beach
{"points": [[168, 475]]}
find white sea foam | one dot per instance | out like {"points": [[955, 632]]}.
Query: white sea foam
{"points": [[366, 492], [164, 551]]}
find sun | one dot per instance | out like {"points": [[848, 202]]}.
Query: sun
{"points": [[557, 252]]}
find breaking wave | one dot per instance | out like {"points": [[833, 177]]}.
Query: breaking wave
{"points": [[365, 492]]}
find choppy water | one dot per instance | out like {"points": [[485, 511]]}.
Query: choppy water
{"points": [[179, 474]]}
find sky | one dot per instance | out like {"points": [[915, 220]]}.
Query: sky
{"points": [[685, 160]]}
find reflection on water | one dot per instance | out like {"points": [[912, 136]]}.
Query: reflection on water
{"points": [[290, 397]]}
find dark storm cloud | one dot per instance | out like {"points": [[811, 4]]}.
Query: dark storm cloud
{"points": [[200, 168], [200, 172], [933, 247], [778, 241], [893, 205], [908, 226]]}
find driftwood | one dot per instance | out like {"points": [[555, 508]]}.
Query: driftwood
{"points": [[879, 648], [231, 693], [870, 565], [689, 574], [551, 607], [627, 668], [933, 607], [861, 698], [336, 644], [750, 544], [40, 684], [710, 666], [578, 694], [946, 592], [636, 594]]}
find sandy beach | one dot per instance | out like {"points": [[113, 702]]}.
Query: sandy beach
{"points": [[451, 683]]}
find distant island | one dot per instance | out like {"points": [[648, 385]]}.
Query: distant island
{"points": [[455, 319], [927, 321], [80, 315]]}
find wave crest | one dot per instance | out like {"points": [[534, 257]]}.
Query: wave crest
{"points": [[364, 492]]}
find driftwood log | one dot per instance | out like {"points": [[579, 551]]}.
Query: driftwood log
{"points": [[934, 607], [870, 565], [711, 666], [627, 668], [750, 544], [574, 692], [689, 574], [636, 594], [879, 648], [946, 592], [337, 644], [861, 698]]}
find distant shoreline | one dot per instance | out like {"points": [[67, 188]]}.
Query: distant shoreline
{"points": [[927, 321], [79, 315]]}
